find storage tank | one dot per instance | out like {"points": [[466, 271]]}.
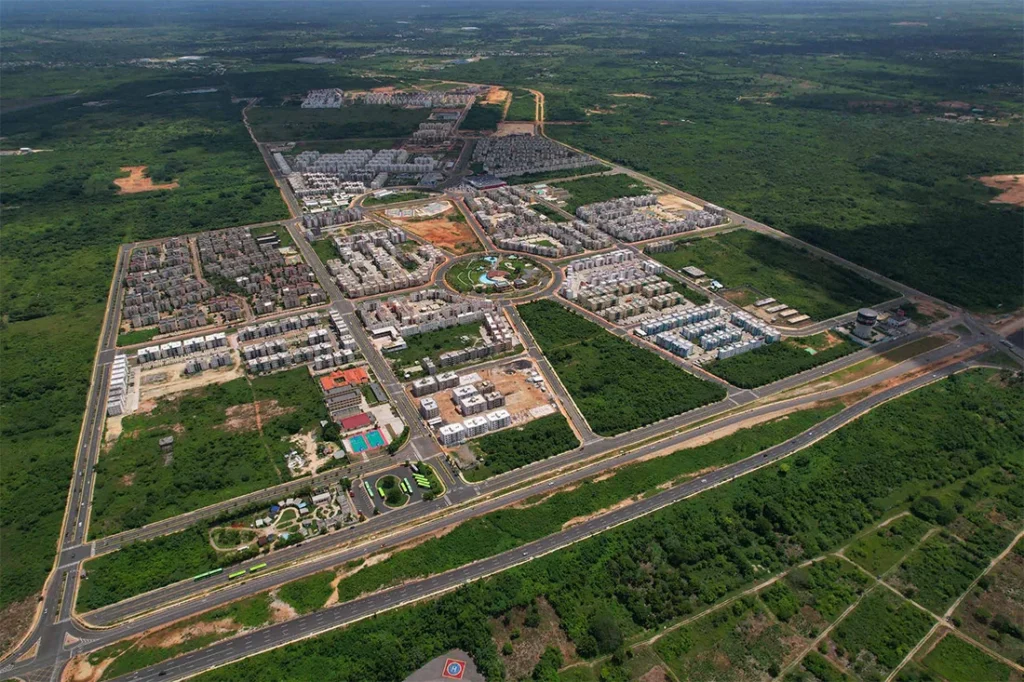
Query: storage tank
{"points": [[866, 320]]}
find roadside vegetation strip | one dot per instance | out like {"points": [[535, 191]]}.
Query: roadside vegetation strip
{"points": [[308, 594], [658, 568], [617, 386], [516, 447], [779, 360], [812, 285]]}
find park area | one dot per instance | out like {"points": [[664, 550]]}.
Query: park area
{"points": [[491, 273], [813, 286], [617, 386]]}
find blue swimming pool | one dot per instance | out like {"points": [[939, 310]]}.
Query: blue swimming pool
{"points": [[376, 439]]}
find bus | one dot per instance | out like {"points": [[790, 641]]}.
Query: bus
{"points": [[405, 487], [208, 574], [415, 469], [257, 567], [422, 481], [369, 489], [236, 574]]}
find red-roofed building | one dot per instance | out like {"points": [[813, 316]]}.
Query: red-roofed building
{"points": [[344, 377], [356, 421]]}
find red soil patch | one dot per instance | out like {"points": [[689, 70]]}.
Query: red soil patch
{"points": [[137, 181], [1012, 187]]}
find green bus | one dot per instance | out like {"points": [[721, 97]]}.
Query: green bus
{"points": [[236, 574], [257, 567], [369, 489], [406, 488], [208, 574]]}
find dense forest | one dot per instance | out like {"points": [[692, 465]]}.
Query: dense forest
{"points": [[512, 448]]}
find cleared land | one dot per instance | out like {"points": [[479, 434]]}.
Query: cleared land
{"points": [[1011, 188], [782, 359], [229, 439], [813, 286], [137, 181], [617, 386], [448, 231]]}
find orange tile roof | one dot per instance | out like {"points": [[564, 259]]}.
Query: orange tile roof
{"points": [[343, 377]]}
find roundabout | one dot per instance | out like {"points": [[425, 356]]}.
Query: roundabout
{"points": [[392, 491], [497, 274]]}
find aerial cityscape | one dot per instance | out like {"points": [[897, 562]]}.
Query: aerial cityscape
{"points": [[570, 342]]}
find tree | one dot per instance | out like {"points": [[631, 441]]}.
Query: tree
{"points": [[605, 631]]}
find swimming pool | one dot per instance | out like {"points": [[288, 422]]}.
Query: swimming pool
{"points": [[358, 443], [376, 439]]}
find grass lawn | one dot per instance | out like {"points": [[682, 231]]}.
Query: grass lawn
{"points": [[600, 188], [432, 344], [397, 197], [957, 661], [136, 336], [280, 230], [813, 286], [465, 275], [218, 451], [515, 447], [551, 213], [617, 386], [778, 360], [308, 594], [324, 249]]}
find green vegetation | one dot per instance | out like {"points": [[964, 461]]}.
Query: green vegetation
{"points": [[883, 625], [512, 448], [957, 661], [392, 491], [776, 361], [308, 594], [544, 176], [741, 637], [324, 249], [691, 294], [292, 123], [662, 567], [813, 286], [811, 596], [617, 386], [249, 613], [990, 611], [432, 344], [396, 197], [881, 549], [136, 336], [938, 571], [218, 451], [280, 230], [600, 188], [551, 213], [498, 531], [465, 275], [483, 117], [63, 223], [143, 566], [817, 668], [523, 106]]}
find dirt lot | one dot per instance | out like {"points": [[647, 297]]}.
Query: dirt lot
{"points": [[517, 128], [532, 641], [520, 396], [137, 181], [1012, 187], [496, 95], [673, 203], [443, 232], [174, 381]]}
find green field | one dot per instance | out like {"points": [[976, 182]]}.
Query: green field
{"points": [[402, 195], [883, 625], [523, 107], [218, 452], [938, 571], [880, 550], [324, 249], [63, 223], [308, 594], [551, 213], [957, 661], [813, 286], [136, 336], [432, 344], [512, 448], [776, 361], [617, 386], [482, 117], [600, 188], [360, 121], [809, 597], [280, 230]]}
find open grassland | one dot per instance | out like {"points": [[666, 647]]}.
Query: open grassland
{"points": [[512, 448], [994, 609], [600, 188], [813, 286], [63, 221], [523, 106], [957, 661], [660, 568], [776, 361], [432, 344], [881, 550], [221, 449], [617, 386], [308, 594], [369, 121]]}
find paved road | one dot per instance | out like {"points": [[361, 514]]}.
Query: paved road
{"points": [[277, 635]]}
